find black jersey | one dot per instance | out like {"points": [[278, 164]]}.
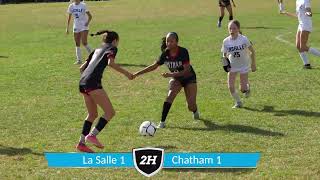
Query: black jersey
{"points": [[98, 61], [224, 3], [175, 63]]}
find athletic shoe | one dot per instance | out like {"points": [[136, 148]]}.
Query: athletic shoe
{"points": [[161, 125], [83, 148], [219, 24], [196, 115], [77, 62], [93, 140], [307, 66], [237, 105], [247, 93]]}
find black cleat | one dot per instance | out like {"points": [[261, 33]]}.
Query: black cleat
{"points": [[307, 66]]}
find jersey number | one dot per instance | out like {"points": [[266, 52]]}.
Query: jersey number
{"points": [[236, 54]]}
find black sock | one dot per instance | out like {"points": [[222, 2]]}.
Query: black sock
{"points": [[220, 18], [230, 18], [86, 127], [165, 111], [101, 124]]}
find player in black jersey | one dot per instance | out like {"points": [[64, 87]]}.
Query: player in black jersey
{"points": [[181, 73], [91, 88], [225, 4]]}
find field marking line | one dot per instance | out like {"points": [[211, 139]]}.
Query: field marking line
{"points": [[279, 38]]}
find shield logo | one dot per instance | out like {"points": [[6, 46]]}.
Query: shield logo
{"points": [[148, 161]]}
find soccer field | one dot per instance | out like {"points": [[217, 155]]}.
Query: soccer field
{"points": [[42, 110]]}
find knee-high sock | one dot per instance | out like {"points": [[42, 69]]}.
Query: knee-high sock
{"points": [[78, 53], [88, 48], [165, 111], [85, 131], [236, 97], [314, 51], [98, 128], [304, 58]]}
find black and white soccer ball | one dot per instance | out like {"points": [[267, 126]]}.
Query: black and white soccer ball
{"points": [[147, 128]]}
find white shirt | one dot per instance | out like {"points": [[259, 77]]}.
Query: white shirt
{"points": [[302, 5], [78, 11], [237, 51]]}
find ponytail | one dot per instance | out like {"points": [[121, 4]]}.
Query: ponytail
{"points": [[163, 44], [100, 32], [108, 36]]}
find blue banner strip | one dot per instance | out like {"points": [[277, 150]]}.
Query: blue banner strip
{"points": [[171, 160]]}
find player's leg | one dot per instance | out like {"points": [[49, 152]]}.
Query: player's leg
{"points": [[229, 8], [92, 115], [190, 91], [221, 15], [281, 6], [101, 98], [244, 84], [231, 85], [77, 39], [304, 44], [174, 89], [303, 54], [84, 39]]}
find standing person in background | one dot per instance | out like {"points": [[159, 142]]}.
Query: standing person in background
{"points": [[225, 4], [81, 20], [281, 6]]}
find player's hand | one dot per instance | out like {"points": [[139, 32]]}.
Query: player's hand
{"points": [[135, 75], [130, 76], [166, 75], [253, 68], [309, 14]]}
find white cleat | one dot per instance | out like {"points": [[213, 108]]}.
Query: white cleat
{"points": [[237, 105], [196, 115], [161, 125]]}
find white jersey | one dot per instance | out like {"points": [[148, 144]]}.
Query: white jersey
{"points": [[78, 12], [305, 22], [237, 51]]}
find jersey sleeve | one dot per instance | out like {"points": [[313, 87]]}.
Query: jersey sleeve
{"points": [[185, 57], [69, 10], [85, 7], [161, 59], [247, 42], [224, 48], [112, 53]]}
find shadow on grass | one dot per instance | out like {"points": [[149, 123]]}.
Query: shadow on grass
{"points": [[210, 126], [212, 170], [132, 65], [12, 151], [270, 109], [261, 27], [4, 56]]}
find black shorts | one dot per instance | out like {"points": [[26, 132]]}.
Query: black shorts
{"points": [[85, 89], [189, 80], [226, 3]]}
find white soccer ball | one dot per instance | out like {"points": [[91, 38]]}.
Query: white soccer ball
{"points": [[147, 128]]}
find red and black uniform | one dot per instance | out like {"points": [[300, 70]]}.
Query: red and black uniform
{"points": [[224, 3], [97, 61], [175, 64]]}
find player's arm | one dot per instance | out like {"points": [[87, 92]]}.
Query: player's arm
{"points": [[253, 58], [89, 18], [234, 4], [150, 68], [68, 22], [186, 69], [118, 68], [86, 63], [225, 63]]}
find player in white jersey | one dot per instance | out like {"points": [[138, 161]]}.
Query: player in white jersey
{"points": [[237, 50], [304, 14], [81, 21], [281, 6]]}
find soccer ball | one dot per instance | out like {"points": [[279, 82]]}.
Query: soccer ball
{"points": [[147, 128]]}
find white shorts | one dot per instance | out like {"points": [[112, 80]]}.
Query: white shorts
{"points": [[305, 24], [77, 29], [242, 70]]}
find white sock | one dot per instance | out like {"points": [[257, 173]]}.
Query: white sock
{"points": [[82, 139], [304, 58], [236, 97], [88, 48], [281, 7], [94, 132], [78, 53], [314, 51]]}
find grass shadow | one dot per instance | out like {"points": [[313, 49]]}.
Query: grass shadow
{"points": [[132, 65], [296, 112], [261, 27], [210, 126], [12, 151], [4, 57]]}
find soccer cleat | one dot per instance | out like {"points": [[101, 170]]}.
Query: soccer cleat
{"points": [[219, 24], [161, 125], [83, 148], [196, 115], [247, 93], [77, 62], [93, 140], [307, 66], [237, 105]]}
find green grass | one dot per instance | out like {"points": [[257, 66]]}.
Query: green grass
{"points": [[42, 110]]}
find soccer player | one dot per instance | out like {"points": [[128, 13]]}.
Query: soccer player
{"points": [[225, 4], [236, 50], [304, 13], [91, 88], [81, 20], [281, 6], [181, 73]]}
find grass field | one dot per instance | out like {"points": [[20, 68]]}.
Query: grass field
{"points": [[42, 110]]}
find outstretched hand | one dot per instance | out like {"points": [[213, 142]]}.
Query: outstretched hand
{"points": [[166, 75]]}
